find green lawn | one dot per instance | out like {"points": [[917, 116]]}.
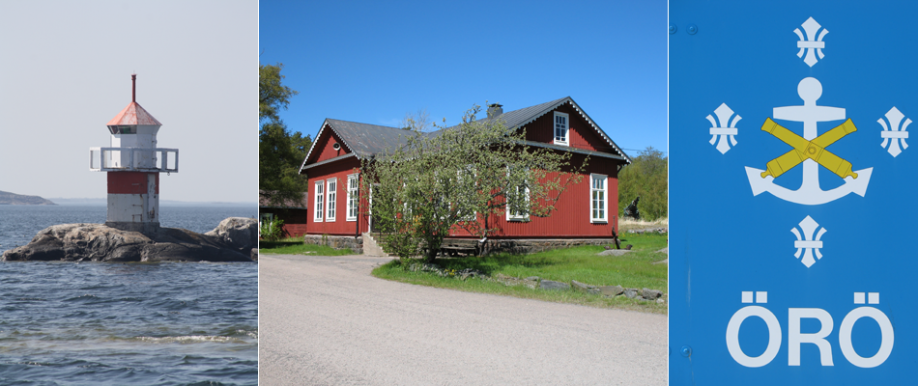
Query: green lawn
{"points": [[633, 270], [296, 246]]}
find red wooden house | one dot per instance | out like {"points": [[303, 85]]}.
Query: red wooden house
{"points": [[586, 213]]}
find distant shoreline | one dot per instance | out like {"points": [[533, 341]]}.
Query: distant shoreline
{"points": [[9, 198], [167, 203]]}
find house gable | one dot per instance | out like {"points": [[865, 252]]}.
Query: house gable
{"points": [[580, 133], [325, 147]]}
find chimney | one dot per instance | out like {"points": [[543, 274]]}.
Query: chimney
{"points": [[494, 110]]}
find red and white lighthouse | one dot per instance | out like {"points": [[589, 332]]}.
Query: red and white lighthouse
{"points": [[133, 163]]}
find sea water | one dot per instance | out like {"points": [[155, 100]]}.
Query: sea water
{"points": [[125, 323]]}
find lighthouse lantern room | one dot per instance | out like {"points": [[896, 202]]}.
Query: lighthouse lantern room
{"points": [[133, 163]]}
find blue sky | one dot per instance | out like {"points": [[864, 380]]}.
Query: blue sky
{"points": [[373, 62]]}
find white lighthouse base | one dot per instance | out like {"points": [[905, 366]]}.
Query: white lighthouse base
{"points": [[133, 201]]}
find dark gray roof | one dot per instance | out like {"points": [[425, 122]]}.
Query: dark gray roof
{"points": [[519, 118], [367, 140]]}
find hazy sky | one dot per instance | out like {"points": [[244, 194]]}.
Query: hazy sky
{"points": [[66, 71], [372, 62]]}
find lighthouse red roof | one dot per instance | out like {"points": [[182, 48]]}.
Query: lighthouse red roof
{"points": [[133, 114]]}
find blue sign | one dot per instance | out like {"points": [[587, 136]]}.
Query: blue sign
{"points": [[793, 192]]}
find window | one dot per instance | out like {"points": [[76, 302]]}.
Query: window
{"points": [[468, 170], [520, 212], [561, 128], [320, 200], [352, 185], [332, 195], [599, 205], [518, 203]]}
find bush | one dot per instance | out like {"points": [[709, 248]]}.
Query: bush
{"points": [[271, 229]]}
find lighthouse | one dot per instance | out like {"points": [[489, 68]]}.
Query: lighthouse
{"points": [[133, 164]]}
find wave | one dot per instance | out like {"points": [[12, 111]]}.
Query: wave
{"points": [[191, 339]]}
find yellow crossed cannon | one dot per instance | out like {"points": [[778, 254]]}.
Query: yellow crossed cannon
{"points": [[803, 149]]}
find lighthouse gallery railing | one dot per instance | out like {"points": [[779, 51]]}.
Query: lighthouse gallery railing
{"points": [[107, 159]]}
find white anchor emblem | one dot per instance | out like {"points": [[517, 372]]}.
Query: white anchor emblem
{"points": [[892, 135], [724, 130], [811, 27], [809, 193], [807, 243]]}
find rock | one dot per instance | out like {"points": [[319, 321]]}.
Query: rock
{"points": [[611, 291], [631, 293], [469, 272], [238, 232], [553, 285], [660, 301], [531, 282], [507, 280], [590, 289], [650, 294], [614, 252], [97, 242], [254, 254]]}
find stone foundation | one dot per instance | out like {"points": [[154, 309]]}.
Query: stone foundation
{"points": [[337, 242]]}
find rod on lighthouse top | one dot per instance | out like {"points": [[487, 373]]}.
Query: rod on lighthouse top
{"points": [[134, 88]]}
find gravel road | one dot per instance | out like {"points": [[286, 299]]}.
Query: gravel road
{"points": [[326, 321]]}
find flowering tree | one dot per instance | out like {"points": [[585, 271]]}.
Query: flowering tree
{"points": [[461, 177]]}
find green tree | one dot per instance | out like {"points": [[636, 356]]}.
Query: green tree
{"points": [[645, 177], [280, 153], [272, 94], [461, 178]]}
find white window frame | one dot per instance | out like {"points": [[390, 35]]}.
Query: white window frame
{"points": [[567, 129], [319, 201], [474, 215], [331, 199], [522, 217], [605, 197], [353, 183]]}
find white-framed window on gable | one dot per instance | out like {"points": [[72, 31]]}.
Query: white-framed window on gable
{"points": [[320, 201], [352, 185], [599, 198], [562, 126], [332, 199]]}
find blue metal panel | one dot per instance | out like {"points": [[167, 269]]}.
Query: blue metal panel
{"points": [[804, 277]]}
